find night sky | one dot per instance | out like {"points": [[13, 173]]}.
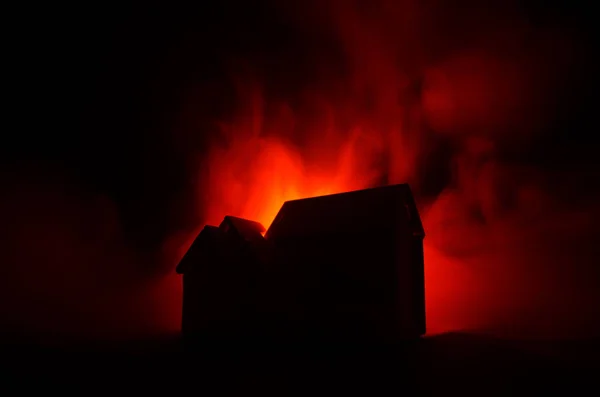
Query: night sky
{"points": [[104, 169]]}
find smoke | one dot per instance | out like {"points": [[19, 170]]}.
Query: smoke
{"points": [[455, 101], [68, 270]]}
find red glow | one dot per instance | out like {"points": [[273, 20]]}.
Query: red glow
{"points": [[377, 125], [408, 84]]}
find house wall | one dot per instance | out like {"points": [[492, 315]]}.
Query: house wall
{"points": [[342, 286], [410, 274], [365, 284], [220, 296]]}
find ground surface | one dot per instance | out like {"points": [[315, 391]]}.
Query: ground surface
{"points": [[459, 364]]}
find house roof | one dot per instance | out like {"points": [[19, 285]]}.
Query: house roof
{"points": [[246, 229], [214, 240], [383, 208], [207, 237], [387, 207]]}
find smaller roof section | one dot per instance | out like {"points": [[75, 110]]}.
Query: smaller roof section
{"points": [[213, 241], [209, 236], [248, 230]]}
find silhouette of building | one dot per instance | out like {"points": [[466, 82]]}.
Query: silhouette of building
{"points": [[342, 267]]}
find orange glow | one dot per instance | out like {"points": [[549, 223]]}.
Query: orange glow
{"points": [[277, 175], [258, 171]]}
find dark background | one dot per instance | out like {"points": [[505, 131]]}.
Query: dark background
{"points": [[103, 88]]}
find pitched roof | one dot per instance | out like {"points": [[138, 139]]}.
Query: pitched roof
{"points": [[246, 229], [217, 241], [369, 209], [207, 237]]}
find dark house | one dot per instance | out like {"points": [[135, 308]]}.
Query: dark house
{"points": [[343, 267]]}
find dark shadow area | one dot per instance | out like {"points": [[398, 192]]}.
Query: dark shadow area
{"points": [[450, 363]]}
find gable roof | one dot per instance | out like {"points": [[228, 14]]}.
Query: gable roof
{"points": [[368, 209], [207, 237], [213, 240], [246, 229]]}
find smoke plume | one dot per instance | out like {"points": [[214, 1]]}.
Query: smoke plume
{"points": [[470, 104]]}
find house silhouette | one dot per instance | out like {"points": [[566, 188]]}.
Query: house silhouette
{"points": [[342, 267]]}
